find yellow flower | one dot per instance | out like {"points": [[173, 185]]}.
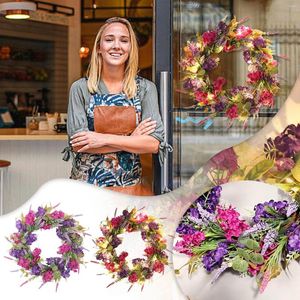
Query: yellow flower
{"points": [[194, 68]]}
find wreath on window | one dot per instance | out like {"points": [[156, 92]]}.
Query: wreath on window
{"points": [[50, 269], [139, 270], [239, 102]]}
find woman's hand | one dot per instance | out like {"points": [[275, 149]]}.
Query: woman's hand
{"points": [[86, 140], [146, 127]]}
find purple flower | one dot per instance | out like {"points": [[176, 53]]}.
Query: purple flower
{"points": [[185, 229], [294, 241], [214, 258], [40, 212], [153, 226], [279, 207], [30, 238], [36, 270], [210, 200], [222, 27], [188, 84], [123, 273], [17, 253], [65, 273], [20, 226], [259, 42], [269, 240], [220, 106], [69, 223], [115, 242], [246, 55], [209, 64]]}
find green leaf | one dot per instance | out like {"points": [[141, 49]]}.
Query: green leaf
{"points": [[239, 264], [250, 244], [256, 258], [244, 254], [259, 169]]}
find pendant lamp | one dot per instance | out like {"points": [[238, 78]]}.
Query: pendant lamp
{"points": [[17, 10]]}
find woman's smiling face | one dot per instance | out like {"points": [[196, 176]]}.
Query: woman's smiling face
{"points": [[115, 45]]}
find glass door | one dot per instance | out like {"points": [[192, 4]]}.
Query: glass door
{"points": [[179, 21]]}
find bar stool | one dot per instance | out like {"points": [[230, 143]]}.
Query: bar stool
{"points": [[4, 164]]}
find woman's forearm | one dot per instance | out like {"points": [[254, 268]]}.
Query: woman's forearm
{"points": [[100, 150], [134, 144]]}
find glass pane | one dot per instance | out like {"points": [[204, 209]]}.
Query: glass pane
{"points": [[88, 3], [88, 13], [193, 144], [110, 3], [108, 13]]}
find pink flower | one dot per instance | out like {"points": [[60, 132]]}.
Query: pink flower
{"points": [[255, 76], [158, 266], [140, 218], [15, 237], [188, 242], [64, 249], [73, 265], [29, 218], [46, 226], [57, 214], [36, 252], [47, 276], [24, 263], [209, 37], [110, 266], [232, 112], [242, 32], [266, 98], [229, 221], [218, 84], [284, 164]]}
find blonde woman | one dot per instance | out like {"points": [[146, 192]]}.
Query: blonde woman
{"points": [[113, 114]]}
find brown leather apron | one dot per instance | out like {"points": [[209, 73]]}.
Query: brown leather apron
{"points": [[120, 120]]}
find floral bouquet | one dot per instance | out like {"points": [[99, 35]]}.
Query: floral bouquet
{"points": [[277, 164], [216, 237]]}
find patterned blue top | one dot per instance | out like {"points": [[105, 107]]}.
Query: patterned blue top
{"points": [[111, 169]]}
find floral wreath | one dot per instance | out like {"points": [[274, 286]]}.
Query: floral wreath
{"points": [[140, 269], [240, 102], [215, 237], [50, 269]]}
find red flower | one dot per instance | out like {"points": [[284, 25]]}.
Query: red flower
{"points": [[228, 47], [133, 277], [201, 97], [115, 222], [266, 98], [209, 37], [149, 251], [255, 76], [218, 84], [232, 112], [110, 266], [123, 256], [158, 266]]}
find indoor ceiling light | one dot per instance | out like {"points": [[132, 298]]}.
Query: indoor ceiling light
{"points": [[17, 9]]}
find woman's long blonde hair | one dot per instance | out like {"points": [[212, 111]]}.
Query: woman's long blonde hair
{"points": [[95, 67]]}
